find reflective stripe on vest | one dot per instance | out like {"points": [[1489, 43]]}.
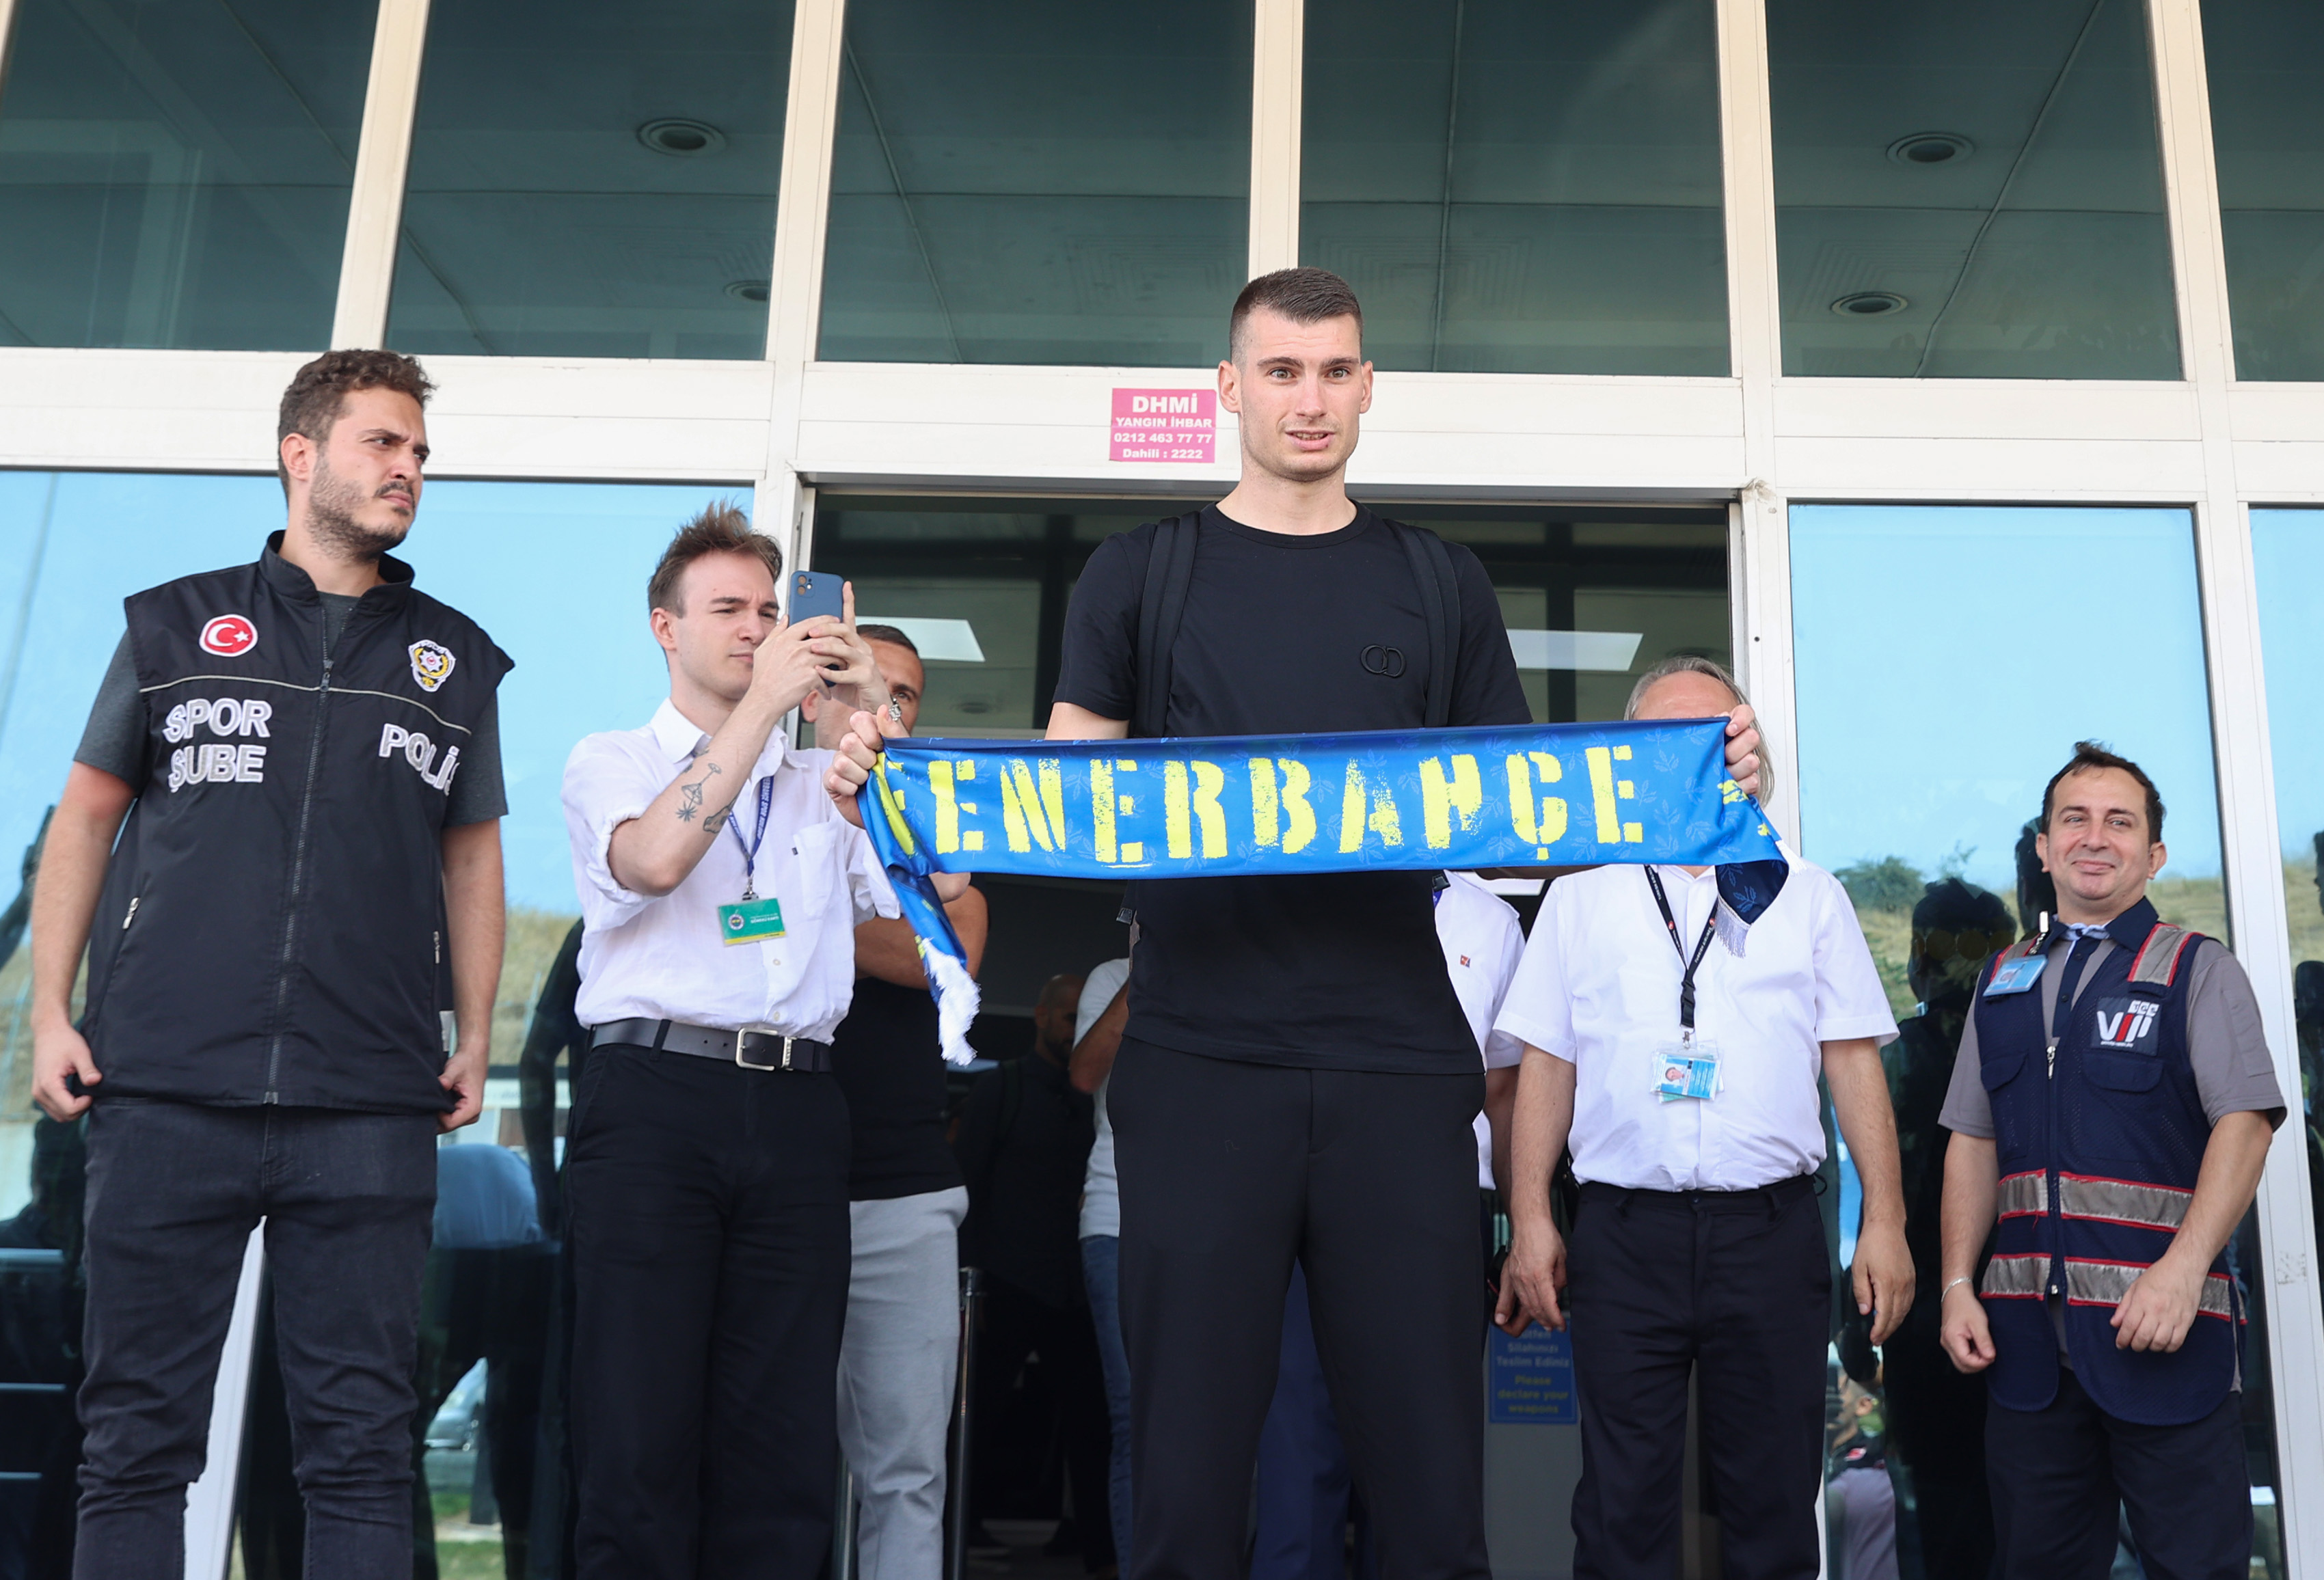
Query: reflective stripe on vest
{"points": [[2017, 1278], [2026, 1195], [2123, 1201], [2157, 963], [2105, 1283]]}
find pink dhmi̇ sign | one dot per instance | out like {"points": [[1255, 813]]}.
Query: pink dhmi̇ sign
{"points": [[1165, 424]]}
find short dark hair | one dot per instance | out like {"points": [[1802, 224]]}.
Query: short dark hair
{"points": [[888, 633], [2090, 756], [719, 528], [1304, 296], [318, 395]]}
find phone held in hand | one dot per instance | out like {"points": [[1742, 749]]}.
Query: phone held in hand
{"points": [[814, 592]]}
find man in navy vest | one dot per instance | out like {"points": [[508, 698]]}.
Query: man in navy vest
{"points": [[305, 750], [2112, 1106]]}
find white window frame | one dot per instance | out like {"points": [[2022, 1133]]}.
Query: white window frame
{"points": [[1753, 440]]}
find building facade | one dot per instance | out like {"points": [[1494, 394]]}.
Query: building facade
{"points": [[1957, 373]]}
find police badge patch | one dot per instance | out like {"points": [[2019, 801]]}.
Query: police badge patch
{"points": [[431, 664]]}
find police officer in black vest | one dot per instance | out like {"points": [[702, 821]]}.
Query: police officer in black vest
{"points": [[2112, 1106], [306, 751]]}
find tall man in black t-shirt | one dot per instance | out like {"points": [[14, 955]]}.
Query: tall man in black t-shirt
{"points": [[906, 1201], [1297, 1080]]}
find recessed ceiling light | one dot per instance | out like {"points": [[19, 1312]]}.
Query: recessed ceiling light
{"points": [[1870, 303], [749, 290], [1930, 148], [683, 138]]}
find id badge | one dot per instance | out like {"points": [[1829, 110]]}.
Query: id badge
{"points": [[749, 920], [2018, 975], [1684, 1070]]}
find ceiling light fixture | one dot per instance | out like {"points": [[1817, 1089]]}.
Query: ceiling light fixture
{"points": [[1870, 303], [681, 138], [749, 290], [1925, 149]]}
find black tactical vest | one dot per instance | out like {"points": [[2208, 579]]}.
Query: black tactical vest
{"points": [[271, 927]]}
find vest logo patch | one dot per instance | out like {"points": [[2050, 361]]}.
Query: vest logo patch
{"points": [[431, 664], [230, 636], [419, 751], [2128, 1027]]}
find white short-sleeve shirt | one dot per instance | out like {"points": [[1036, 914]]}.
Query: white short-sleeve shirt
{"points": [[1598, 988], [663, 957], [1482, 942]]}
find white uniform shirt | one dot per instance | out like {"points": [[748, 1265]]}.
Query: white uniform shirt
{"points": [[1599, 988], [1101, 1196], [1482, 942], [665, 959]]}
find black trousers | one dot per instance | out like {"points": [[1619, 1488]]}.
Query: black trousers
{"points": [[1229, 1172], [707, 1228], [1016, 1326], [1734, 1290], [174, 1190], [2059, 1475]]}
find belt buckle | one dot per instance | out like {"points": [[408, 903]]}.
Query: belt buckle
{"points": [[743, 1032]]}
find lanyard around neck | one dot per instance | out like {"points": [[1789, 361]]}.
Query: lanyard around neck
{"points": [[751, 850], [1701, 947]]}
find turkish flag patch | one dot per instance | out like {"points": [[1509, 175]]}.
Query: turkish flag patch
{"points": [[230, 636]]}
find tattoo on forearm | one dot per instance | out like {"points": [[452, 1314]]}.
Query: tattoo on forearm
{"points": [[718, 819], [689, 796]]}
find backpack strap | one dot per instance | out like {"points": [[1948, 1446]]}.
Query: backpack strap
{"points": [[1440, 602], [1169, 570]]}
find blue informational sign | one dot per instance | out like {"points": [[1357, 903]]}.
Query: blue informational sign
{"points": [[1531, 1379]]}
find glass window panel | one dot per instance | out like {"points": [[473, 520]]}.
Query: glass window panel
{"points": [[2267, 64], [593, 179], [1590, 604], [175, 173], [71, 545], [1520, 187], [2288, 554], [1969, 191], [1084, 198], [1926, 740]]}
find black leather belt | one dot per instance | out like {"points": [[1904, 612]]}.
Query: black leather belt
{"points": [[750, 1050]]}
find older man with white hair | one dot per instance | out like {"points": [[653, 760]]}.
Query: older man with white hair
{"points": [[1676, 1049]]}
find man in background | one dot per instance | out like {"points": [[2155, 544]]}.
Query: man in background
{"points": [[900, 1355], [1678, 1051], [1934, 1415], [1098, 1021], [1024, 1147]]}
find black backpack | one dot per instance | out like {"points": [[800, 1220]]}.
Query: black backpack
{"points": [[1170, 569]]}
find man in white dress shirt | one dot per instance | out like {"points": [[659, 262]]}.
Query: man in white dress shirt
{"points": [[1697, 1247], [706, 1180]]}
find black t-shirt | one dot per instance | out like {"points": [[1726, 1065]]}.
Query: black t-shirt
{"points": [[886, 1057], [1328, 972]]}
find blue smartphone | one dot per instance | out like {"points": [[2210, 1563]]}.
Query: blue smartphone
{"points": [[814, 592]]}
